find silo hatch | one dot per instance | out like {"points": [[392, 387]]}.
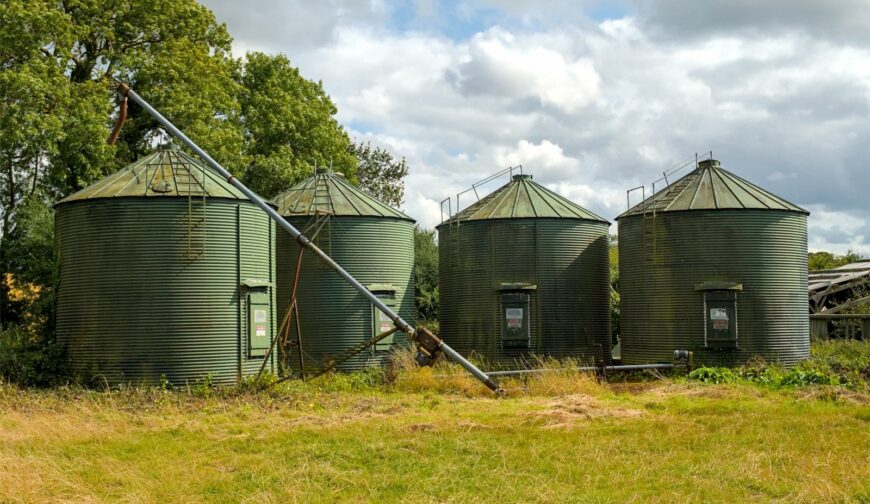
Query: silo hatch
{"points": [[720, 314], [515, 327], [381, 322]]}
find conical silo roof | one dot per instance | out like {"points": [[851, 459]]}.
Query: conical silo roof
{"points": [[711, 187], [164, 173], [328, 192], [522, 198]]}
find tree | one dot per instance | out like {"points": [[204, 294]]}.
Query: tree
{"points": [[380, 174], [59, 60], [426, 296], [288, 124], [817, 261]]}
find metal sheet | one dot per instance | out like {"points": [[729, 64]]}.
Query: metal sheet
{"points": [[133, 306], [711, 187], [523, 198], [567, 260], [329, 193], [662, 259], [165, 173], [334, 316]]}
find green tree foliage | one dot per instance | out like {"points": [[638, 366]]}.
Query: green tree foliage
{"points": [[289, 125], [380, 174], [29, 353], [60, 61], [426, 276], [818, 261]]}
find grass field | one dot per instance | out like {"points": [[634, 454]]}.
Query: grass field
{"points": [[436, 436]]}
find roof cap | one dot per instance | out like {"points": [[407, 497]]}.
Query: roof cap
{"points": [[166, 172], [328, 192], [711, 187], [522, 198]]}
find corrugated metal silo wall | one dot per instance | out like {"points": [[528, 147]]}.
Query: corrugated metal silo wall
{"points": [[568, 261], [132, 307], [661, 311], [333, 314]]}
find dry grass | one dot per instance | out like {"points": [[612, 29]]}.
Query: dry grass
{"points": [[560, 436]]}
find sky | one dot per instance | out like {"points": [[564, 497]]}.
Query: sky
{"points": [[594, 97]]}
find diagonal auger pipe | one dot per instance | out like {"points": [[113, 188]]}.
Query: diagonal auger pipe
{"points": [[304, 242]]}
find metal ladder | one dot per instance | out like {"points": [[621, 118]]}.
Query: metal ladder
{"points": [[195, 220], [454, 242], [322, 209]]}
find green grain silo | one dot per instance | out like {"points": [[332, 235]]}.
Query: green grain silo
{"points": [[373, 242], [525, 271], [166, 270], [716, 265]]}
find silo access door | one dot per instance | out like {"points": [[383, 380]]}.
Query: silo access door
{"points": [[515, 326], [259, 337], [381, 322], [720, 310]]}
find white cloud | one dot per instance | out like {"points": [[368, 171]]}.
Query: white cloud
{"points": [[501, 64], [592, 110]]}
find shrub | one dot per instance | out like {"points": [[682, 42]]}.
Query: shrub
{"points": [[29, 359], [713, 375]]}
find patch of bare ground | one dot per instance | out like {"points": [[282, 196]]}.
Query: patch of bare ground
{"points": [[571, 410]]}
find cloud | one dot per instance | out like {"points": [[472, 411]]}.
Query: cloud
{"points": [[498, 64], [779, 91], [840, 20]]}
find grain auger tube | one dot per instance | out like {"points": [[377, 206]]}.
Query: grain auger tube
{"points": [[429, 346]]}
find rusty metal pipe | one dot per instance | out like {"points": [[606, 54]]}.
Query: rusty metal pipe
{"points": [[298, 236]]}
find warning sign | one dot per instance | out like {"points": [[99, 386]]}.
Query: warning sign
{"points": [[719, 316], [259, 315], [514, 317], [384, 322], [261, 330]]}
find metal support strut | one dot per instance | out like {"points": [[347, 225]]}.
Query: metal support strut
{"points": [[430, 347]]}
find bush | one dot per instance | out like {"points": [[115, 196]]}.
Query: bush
{"points": [[713, 375], [31, 360]]}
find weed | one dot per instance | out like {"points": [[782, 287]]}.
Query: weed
{"points": [[713, 375]]}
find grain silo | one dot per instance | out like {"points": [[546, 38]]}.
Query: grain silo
{"points": [[715, 265], [373, 242], [523, 272], [166, 270]]}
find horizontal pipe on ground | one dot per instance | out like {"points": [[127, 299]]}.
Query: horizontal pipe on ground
{"points": [[626, 367]]}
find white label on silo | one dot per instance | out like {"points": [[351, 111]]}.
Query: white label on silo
{"points": [[514, 317]]}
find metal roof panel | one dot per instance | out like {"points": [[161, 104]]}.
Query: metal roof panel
{"points": [[711, 187], [522, 198]]}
